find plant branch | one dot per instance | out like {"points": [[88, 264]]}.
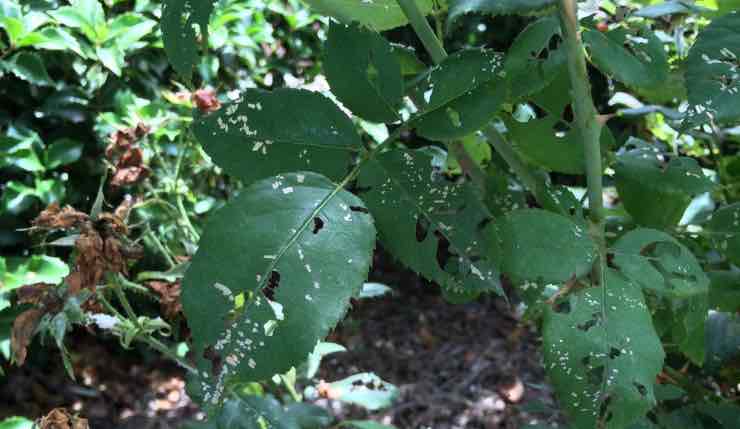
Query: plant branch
{"points": [[588, 125], [423, 30]]}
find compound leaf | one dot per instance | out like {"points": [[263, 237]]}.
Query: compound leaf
{"points": [[266, 133], [297, 247], [643, 65], [417, 210], [179, 17], [460, 95], [712, 72], [602, 354], [363, 72], [524, 243], [380, 15]]}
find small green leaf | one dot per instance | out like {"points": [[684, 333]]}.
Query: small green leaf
{"points": [[711, 73], [266, 133], [363, 72], [374, 290], [178, 35], [644, 65], [379, 15], [129, 28], [602, 354], [670, 7], [664, 267], [724, 227], [414, 205], [460, 95], [246, 411], [322, 349], [28, 66], [517, 244], [656, 188], [112, 58], [298, 276], [62, 152], [458, 8], [366, 390]]}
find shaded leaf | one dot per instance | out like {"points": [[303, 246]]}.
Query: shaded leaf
{"points": [[660, 264], [363, 72], [62, 152], [266, 133], [722, 339], [458, 8], [417, 211], [724, 227], [460, 95], [602, 354], [523, 244], [297, 277], [724, 290], [366, 390], [28, 66]]}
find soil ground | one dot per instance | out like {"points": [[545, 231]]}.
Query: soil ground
{"points": [[463, 366]]}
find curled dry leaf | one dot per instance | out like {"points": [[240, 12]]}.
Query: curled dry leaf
{"points": [[37, 293], [60, 418], [130, 168], [24, 326], [55, 217], [169, 297], [205, 100]]}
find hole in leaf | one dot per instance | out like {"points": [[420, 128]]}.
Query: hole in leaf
{"points": [[567, 115], [562, 307], [216, 362], [443, 249], [595, 317], [272, 284], [614, 353], [359, 209], [422, 229], [640, 388], [318, 223], [595, 375]]}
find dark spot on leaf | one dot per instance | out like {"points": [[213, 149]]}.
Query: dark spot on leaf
{"points": [[422, 229], [359, 209], [561, 127], [216, 362], [640, 388], [595, 375], [484, 223], [567, 115], [272, 284], [443, 249], [604, 412], [318, 223]]}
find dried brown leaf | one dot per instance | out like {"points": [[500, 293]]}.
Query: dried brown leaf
{"points": [[24, 326]]}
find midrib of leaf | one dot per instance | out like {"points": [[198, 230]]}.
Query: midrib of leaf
{"points": [[407, 196], [309, 219]]}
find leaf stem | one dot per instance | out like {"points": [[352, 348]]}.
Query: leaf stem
{"points": [[423, 30], [588, 125]]}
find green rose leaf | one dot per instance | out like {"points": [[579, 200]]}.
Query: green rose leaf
{"points": [[664, 267], [379, 15], [460, 95], [266, 133], [656, 188], [62, 152], [178, 35], [417, 209], [363, 72], [644, 65], [602, 354], [296, 276], [724, 290], [712, 73], [524, 243]]}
